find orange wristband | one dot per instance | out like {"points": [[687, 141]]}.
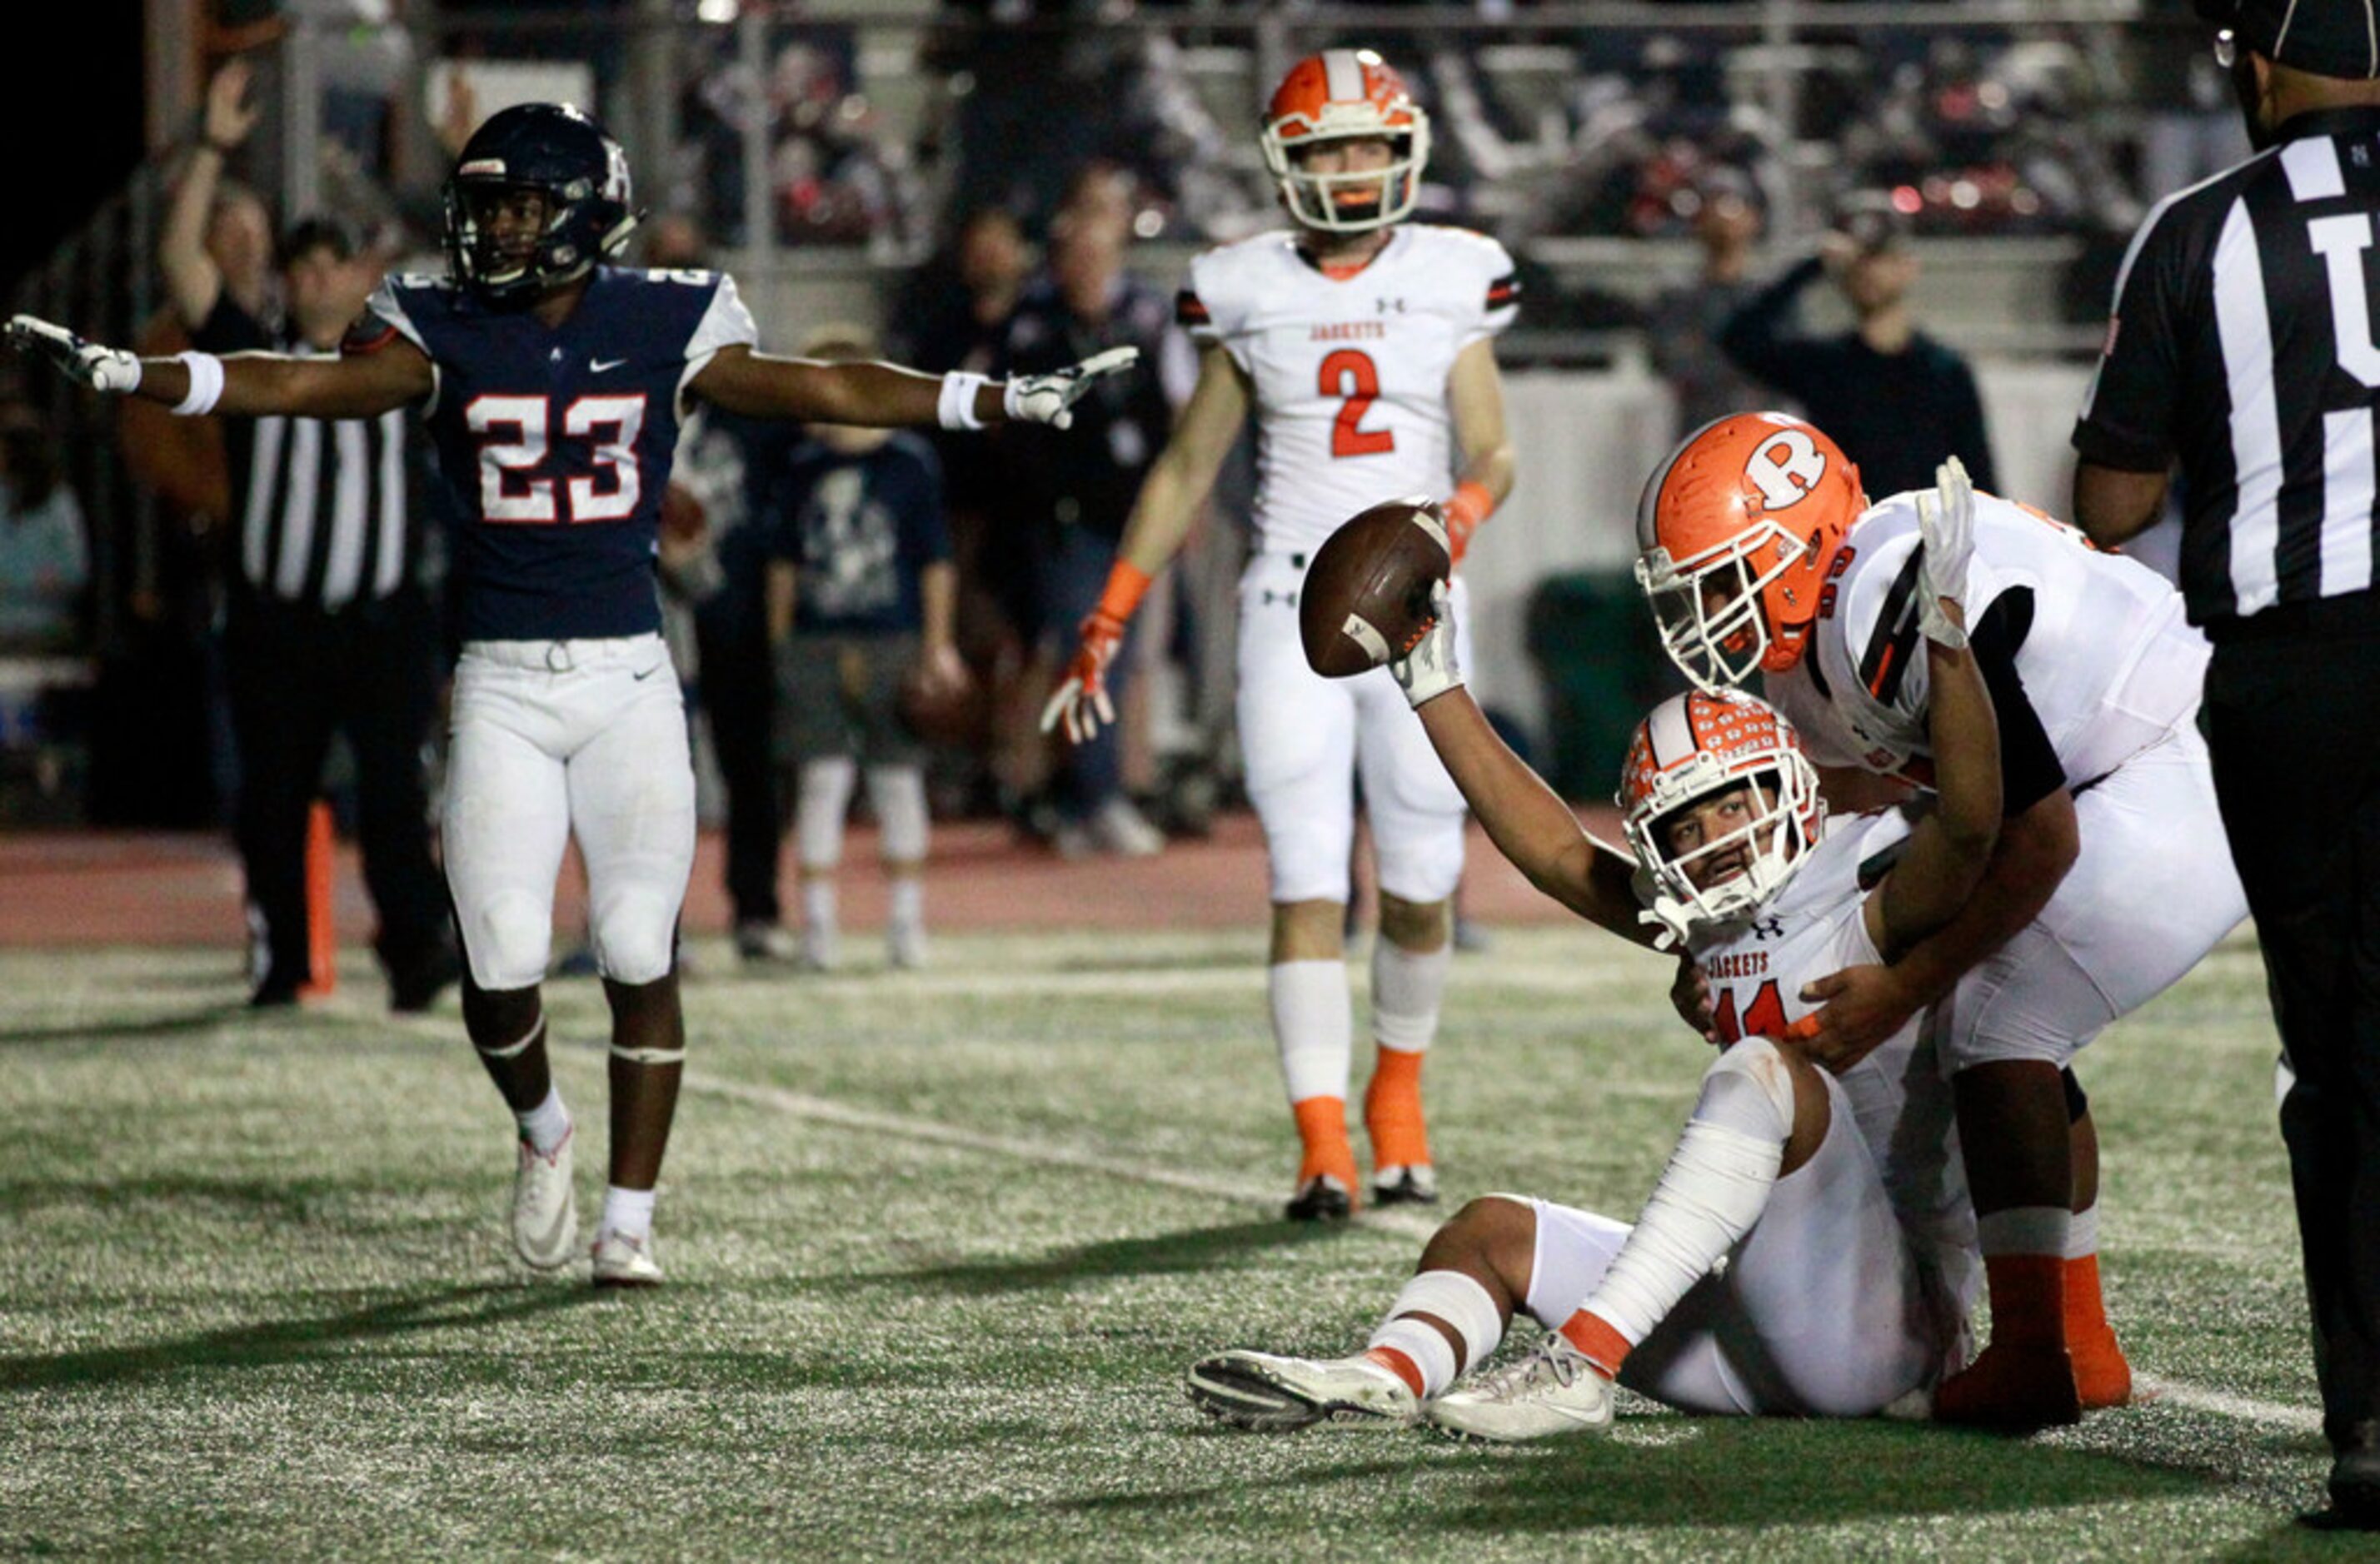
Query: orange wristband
{"points": [[1127, 584], [1470, 503]]}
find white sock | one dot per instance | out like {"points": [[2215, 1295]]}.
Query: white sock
{"points": [[544, 1125], [1313, 1025], [908, 900], [897, 794], [2026, 1229], [1407, 988], [818, 904], [628, 1212], [824, 798], [2082, 1232]]}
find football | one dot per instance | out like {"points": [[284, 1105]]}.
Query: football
{"points": [[1366, 593]]}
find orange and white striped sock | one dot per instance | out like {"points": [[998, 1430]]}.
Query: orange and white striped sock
{"points": [[1598, 1340], [2024, 1269]]}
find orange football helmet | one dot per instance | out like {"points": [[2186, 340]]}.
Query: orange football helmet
{"points": [[1737, 532], [1690, 748], [1340, 95]]}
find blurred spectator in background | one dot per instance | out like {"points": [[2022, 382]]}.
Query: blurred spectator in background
{"points": [[952, 315], [715, 558], [1065, 500], [1896, 400], [326, 625], [834, 180], [860, 596], [1683, 326], [44, 556]]}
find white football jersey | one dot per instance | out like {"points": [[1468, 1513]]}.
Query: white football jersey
{"points": [[2107, 660], [1757, 967], [1349, 374]]}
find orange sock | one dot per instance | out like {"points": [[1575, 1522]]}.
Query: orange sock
{"points": [[1392, 1111], [1593, 1335], [2086, 1311], [1396, 1363], [2028, 1299], [1322, 1127]]}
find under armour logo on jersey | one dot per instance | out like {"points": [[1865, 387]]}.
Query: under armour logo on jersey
{"points": [[1270, 596], [1769, 928], [1787, 466], [1393, 307]]}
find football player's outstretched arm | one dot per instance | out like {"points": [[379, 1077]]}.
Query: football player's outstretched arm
{"points": [[878, 395], [1525, 818], [1168, 503], [356, 385], [1950, 848], [1474, 399]]}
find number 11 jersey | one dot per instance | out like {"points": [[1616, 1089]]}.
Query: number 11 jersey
{"points": [[557, 442], [1349, 373]]}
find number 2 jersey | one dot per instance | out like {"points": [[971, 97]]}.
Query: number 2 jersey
{"points": [[1757, 967], [557, 442], [1349, 373]]}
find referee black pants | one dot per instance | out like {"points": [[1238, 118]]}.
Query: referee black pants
{"points": [[2295, 734], [295, 675]]}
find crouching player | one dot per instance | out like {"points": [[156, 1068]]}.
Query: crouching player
{"points": [[1809, 1250]]}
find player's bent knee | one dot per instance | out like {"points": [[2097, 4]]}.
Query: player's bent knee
{"points": [[635, 939], [1750, 1088], [1424, 867], [508, 939]]}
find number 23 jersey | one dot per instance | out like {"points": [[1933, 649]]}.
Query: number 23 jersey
{"points": [[1349, 373], [557, 442]]}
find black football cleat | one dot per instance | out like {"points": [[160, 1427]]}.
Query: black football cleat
{"points": [[1320, 1199], [1414, 1185]]}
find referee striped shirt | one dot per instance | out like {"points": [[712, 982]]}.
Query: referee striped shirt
{"points": [[2242, 345], [323, 506]]}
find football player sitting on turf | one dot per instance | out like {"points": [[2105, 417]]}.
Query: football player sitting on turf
{"points": [[1808, 1251], [2112, 877], [553, 385]]}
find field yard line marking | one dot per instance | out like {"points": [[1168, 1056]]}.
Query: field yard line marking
{"points": [[827, 1112], [2247, 1409]]}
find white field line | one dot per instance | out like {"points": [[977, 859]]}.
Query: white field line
{"points": [[2246, 1408], [801, 1105]]}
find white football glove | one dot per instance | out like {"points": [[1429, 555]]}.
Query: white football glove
{"points": [[102, 369], [1427, 669], [1044, 399], [1946, 522]]}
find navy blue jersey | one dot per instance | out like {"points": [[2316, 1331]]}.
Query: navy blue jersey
{"points": [[558, 443], [859, 529]]}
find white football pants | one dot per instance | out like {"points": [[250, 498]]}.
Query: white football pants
{"points": [[557, 738], [1304, 739], [2152, 891], [1824, 1310]]}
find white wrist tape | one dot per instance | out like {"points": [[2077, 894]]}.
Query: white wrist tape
{"points": [[206, 383], [956, 408]]}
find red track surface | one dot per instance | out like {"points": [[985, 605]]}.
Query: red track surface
{"points": [[65, 889]]}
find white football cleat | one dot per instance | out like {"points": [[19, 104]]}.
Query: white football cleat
{"points": [[1554, 1391], [622, 1261], [1275, 1395], [545, 1210]]}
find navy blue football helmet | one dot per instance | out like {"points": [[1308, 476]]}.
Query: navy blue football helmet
{"points": [[556, 150]]}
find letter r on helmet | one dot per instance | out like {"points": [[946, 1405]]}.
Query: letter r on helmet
{"points": [[1785, 466]]}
